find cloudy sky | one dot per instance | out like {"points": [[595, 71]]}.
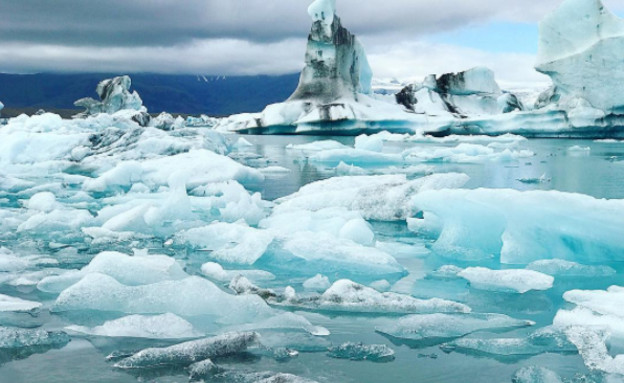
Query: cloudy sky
{"points": [[403, 38]]}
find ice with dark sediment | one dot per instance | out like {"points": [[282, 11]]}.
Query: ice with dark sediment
{"points": [[185, 354]]}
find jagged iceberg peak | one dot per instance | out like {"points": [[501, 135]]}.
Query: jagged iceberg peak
{"points": [[471, 92], [581, 48], [114, 96], [336, 63], [323, 11]]}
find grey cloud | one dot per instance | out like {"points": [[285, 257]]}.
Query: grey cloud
{"points": [[170, 22]]}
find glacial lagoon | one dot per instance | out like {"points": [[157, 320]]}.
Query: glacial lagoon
{"points": [[464, 355]]}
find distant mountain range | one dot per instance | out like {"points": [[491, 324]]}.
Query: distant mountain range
{"points": [[183, 94]]}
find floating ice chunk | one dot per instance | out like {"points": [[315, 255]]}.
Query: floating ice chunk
{"points": [[541, 341], [9, 262], [286, 321], [317, 283], [218, 273], [166, 326], [322, 252], [203, 370], [189, 297], [16, 338], [446, 326], [232, 202], [129, 270], [592, 345], [349, 170], [199, 167], [561, 268], [466, 153], [345, 295], [613, 324], [384, 198], [446, 272], [242, 285], [185, 354], [44, 202], [358, 231], [317, 146], [8, 303], [114, 96], [579, 150], [534, 181], [517, 281], [610, 302], [356, 157], [286, 378], [331, 220], [234, 243], [56, 220], [372, 143], [359, 351], [534, 374], [520, 225]]}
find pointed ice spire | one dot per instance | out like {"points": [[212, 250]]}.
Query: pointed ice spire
{"points": [[323, 11]]}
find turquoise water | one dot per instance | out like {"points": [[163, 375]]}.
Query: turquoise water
{"points": [[598, 172]]}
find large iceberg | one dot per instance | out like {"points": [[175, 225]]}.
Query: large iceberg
{"points": [[583, 57], [334, 88], [579, 50], [521, 227], [472, 92]]}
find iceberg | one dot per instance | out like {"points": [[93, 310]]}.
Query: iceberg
{"points": [[165, 326], [547, 340], [234, 243], [561, 268], [345, 295], [129, 270], [17, 338], [518, 227], [317, 283], [334, 87], [517, 281], [203, 370], [115, 96], [348, 296], [188, 297], [285, 378], [185, 354], [592, 345], [12, 304], [382, 198], [216, 272], [195, 168], [440, 327], [359, 352], [472, 92], [533, 374]]}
